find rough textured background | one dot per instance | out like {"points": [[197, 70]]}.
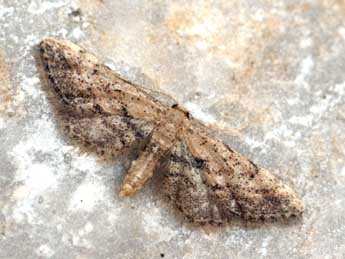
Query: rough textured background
{"points": [[270, 73]]}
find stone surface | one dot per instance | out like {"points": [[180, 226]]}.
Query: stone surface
{"points": [[269, 74]]}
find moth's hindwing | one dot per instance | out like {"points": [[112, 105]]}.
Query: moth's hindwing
{"points": [[108, 136], [97, 107]]}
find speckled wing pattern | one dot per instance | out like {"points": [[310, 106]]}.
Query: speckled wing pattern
{"points": [[205, 179], [99, 109], [210, 183]]}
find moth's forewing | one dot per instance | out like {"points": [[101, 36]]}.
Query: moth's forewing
{"points": [[96, 106], [238, 186], [211, 184], [88, 87]]}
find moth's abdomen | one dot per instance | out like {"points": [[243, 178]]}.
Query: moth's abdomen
{"points": [[162, 138]]}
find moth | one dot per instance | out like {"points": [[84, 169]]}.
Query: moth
{"points": [[206, 180]]}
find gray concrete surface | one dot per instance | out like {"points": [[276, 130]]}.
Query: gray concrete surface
{"points": [[270, 74]]}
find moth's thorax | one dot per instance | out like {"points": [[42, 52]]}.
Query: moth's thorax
{"points": [[169, 127]]}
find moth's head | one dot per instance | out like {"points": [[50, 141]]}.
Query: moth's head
{"points": [[182, 110]]}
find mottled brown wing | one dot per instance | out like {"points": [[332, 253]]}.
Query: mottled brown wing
{"points": [[98, 108], [108, 136], [210, 183], [184, 184]]}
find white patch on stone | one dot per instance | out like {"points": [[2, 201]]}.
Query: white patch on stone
{"points": [[79, 238], [253, 143], [2, 123], [199, 29], [302, 120], [39, 6], [59, 227], [5, 10], [340, 89], [113, 214], [84, 162], [30, 86], [74, 5], [336, 96], [283, 134], [36, 179], [231, 63], [85, 25], [32, 176], [88, 227], [341, 32], [201, 44], [15, 38], [263, 249], [342, 172], [305, 43], [305, 70], [77, 33], [293, 101], [259, 15], [80, 241], [87, 195], [86, 230], [152, 222], [26, 49], [62, 32], [204, 28], [45, 251]]}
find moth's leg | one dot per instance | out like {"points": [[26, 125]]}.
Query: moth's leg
{"points": [[162, 139]]}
